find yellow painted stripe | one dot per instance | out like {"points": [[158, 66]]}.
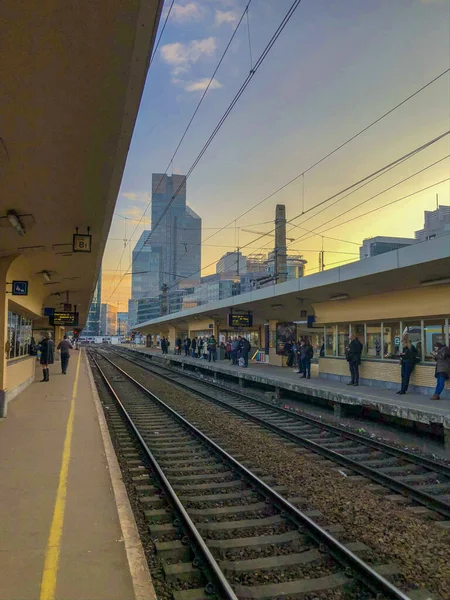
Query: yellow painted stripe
{"points": [[49, 576]]}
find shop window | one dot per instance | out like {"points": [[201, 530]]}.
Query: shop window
{"points": [[373, 341], [330, 340], [19, 335], [434, 333], [343, 333], [391, 339]]}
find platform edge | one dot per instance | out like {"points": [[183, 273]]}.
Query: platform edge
{"points": [[139, 571]]}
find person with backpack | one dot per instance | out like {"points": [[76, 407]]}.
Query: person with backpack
{"points": [[306, 355], [212, 349], [441, 355], [245, 349]]}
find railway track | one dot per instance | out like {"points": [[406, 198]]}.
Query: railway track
{"points": [[423, 482], [230, 534]]}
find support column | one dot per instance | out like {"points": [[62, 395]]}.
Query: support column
{"points": [[274, 359], [172, 337], [3, 345]]}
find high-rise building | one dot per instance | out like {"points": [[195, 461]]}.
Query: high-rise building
{"points": [[93, 323], [167, 255], [381, 244], [176, 232], [108, 320], [436, 223], [232, 263], [122, 323]]}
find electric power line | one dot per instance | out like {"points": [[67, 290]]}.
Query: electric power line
{"points": [[342, 145], [224, 117]]}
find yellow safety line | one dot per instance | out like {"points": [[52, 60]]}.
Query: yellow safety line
{"points": [[49, 576]]}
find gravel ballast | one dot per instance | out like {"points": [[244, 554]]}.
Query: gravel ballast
{"points": [[417, 547]]}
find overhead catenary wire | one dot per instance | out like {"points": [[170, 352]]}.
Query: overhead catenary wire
{"points": [[329, 154], [307, 237], [190, 121], [226, 114]]}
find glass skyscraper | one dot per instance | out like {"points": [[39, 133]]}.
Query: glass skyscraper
{"points": [[93, 323], [171, 251]]}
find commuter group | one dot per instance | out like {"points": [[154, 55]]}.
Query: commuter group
{"points": [[235, 350], [409, 357]]}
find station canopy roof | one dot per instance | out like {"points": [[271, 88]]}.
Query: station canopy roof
{"points": [[72, 77], [404, 269]]}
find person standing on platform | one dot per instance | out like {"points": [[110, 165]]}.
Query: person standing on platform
{"points": [[245, 349], [234, 351], [354, 351], [187, 345], [441, 355], [194, 346], [64, 348], [163, 345], [212, 349], [47, 355], [306, 354], [408, 360]]}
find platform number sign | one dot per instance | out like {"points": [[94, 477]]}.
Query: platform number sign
{"points": [[82, 242], [20, 288]]}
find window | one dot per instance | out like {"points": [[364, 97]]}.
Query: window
{"points": [[373, 340], [414, 330], [343, 333], [391, 339], [330, 340], [19, 335], [358, 331], [434, 333]]}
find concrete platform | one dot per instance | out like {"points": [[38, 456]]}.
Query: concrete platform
{"points": [[414, 408], [79, 527]]}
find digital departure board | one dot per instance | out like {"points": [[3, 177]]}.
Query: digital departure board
{"points": [[65, 319], [240, 320]]}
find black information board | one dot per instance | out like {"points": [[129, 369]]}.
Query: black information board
{"points": [[240, 320], [65, 319]]}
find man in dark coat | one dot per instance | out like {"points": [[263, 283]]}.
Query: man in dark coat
{"points": [[47, 355], [65, 347], [354, 351]]}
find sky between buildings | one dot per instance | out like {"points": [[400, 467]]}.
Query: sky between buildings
{"points": [[336, 67]]}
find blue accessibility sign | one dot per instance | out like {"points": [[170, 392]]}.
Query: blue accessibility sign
{"points": [[20, 288]]}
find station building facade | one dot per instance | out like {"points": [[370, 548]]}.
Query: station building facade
{"points": [[378, 299]]}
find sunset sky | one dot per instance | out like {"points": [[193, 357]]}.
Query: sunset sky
{"points": [[335, 68]]}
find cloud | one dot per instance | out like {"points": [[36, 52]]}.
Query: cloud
{"points": [[225, 16], [181, 13], [182, 56], [142, 197], [201, 85]]}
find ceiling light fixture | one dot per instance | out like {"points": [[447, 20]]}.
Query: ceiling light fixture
{"points": [[441, 281], [15, 222], [339, 297], [46, 276]]}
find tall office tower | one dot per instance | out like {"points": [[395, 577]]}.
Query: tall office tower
{"points": [[93, 324], [176, 230]]}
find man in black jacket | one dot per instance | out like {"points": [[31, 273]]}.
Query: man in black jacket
{"points": [[354, 350]]}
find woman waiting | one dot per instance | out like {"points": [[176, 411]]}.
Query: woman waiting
{"points": [[47, 355], [441, 355], [408, 360]]}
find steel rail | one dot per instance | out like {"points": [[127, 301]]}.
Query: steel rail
{"points": [[412, 492], [218, 576], [362, 571]]}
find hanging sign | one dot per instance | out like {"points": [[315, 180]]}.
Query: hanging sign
{"points": [[240, 320], [81, 242], [20, 288], [65, 319]]}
